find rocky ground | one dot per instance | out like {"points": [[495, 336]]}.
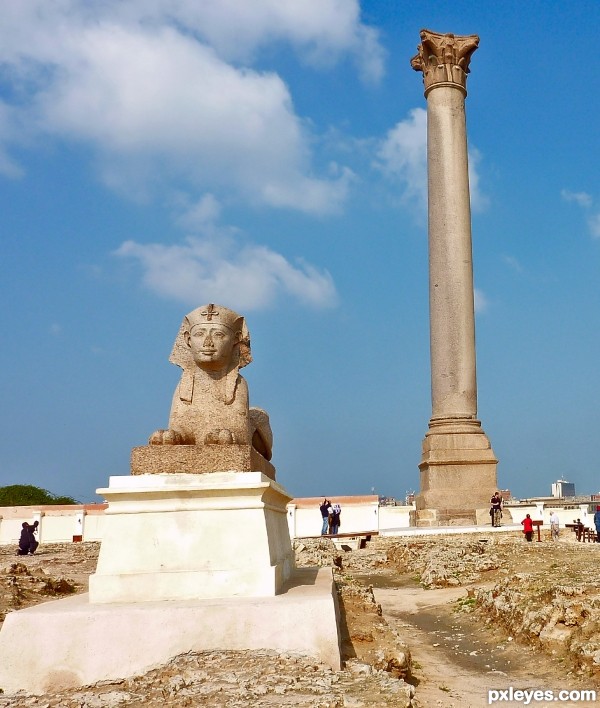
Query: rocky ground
{"points": [[471, 610]]}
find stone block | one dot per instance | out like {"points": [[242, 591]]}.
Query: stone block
{"points": [[428, 515], [198, 459]]}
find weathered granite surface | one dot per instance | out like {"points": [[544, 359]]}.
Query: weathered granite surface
{"points": [[198, 459]]}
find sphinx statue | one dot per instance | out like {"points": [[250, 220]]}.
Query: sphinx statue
{"points": [[210, 404]]}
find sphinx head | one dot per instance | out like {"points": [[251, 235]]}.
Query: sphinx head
{"points": [[213, 338]]}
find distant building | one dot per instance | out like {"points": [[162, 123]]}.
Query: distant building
{"points": [[562, 488], [505, 494]]}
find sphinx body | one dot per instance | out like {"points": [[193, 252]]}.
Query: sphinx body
{"points": [[207, 418]]}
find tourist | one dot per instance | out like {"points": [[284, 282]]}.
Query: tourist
{"points": [[24, 540], [528, 527], [324, 508], [496, 508], [28, 542], [597, 523], [554, 525], [335, 518]]}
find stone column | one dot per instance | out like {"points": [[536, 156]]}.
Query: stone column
{"points": [[458, 466]]}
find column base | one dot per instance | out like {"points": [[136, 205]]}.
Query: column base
{"points": [[458, 472]]}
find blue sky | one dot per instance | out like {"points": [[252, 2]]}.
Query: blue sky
{"points": [[270, 157]]}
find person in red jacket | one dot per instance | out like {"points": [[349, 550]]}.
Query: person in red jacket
{"points": [[528, 527]]}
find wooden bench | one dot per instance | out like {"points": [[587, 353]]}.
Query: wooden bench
{"points": [[366, 534], [583, 533], [590, 534]]}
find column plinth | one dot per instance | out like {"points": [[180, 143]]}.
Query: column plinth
{"points": [[458, 466]]}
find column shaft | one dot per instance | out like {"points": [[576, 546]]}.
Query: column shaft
{"points": [[452, 323]]}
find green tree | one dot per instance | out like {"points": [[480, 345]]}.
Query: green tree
{"points": [[28, 495]]}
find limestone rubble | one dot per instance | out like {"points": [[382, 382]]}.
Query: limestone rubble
{"points": [[235, 680], [556, 609]]}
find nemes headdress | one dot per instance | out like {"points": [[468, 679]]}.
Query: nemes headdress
{"points": [[208, 314]]}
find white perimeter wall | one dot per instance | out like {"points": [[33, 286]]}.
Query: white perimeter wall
{"points": [[56, 524], [355, 518], [539, 512], [61, 524]]}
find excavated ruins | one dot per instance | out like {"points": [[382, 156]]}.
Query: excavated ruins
{"points": [[424, 621]]}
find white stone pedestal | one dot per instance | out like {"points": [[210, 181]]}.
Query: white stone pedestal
{"points": [[188, 562], [69, 643], [192, 536]]}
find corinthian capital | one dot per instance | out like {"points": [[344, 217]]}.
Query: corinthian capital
{"points": [[444, 59]]}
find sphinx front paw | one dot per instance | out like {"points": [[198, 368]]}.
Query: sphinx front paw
{"points": [[219, 436], [166, 437]]}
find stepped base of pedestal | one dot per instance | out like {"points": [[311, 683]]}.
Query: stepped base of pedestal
{"points": [[192, 536], [458, 472], [69, 643]]}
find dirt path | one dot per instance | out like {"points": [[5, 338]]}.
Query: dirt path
{"points": [[456, 662]]}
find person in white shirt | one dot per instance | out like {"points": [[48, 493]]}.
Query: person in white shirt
{"points": [[554, 525]]}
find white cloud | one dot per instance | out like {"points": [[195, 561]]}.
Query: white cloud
{"points": [[8, 167], [594, 225], [479, 201], [151, 87], [585, 201], [513, 263], [217, 261], [197, 117], [402, 156], [246, 276], [581, 198], [197, 216], [8, 131], [481, 302], [320, 30]]}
